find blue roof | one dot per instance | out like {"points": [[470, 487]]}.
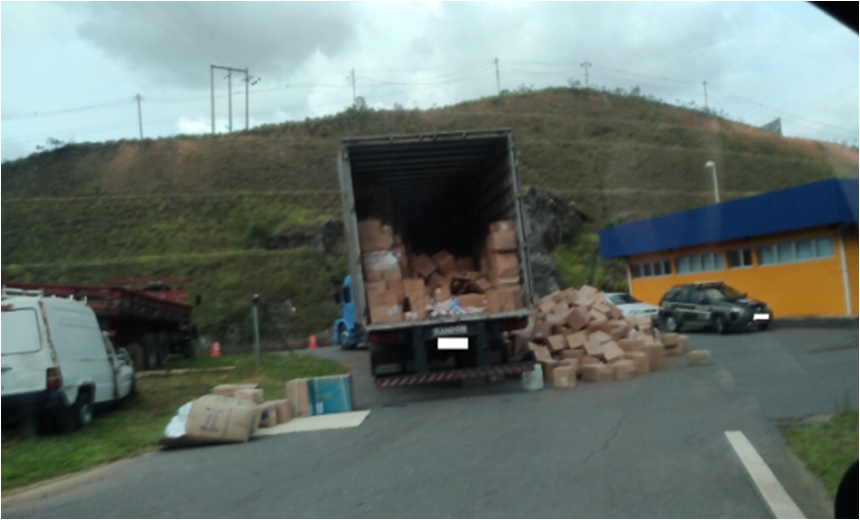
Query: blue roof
{"points": [[823, 203]]}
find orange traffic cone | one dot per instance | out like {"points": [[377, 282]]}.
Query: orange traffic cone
{"points": [[312, 343], [216, 349]]}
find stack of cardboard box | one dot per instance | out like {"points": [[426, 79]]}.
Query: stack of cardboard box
{"points": [[580, 332], [401, 286]]}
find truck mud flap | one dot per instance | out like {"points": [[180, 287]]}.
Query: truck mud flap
{"points": [[454, 375]]}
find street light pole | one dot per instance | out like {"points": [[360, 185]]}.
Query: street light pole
{"points": [[713, 167], [257, 333]]}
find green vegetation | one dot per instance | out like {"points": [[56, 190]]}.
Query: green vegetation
{"points": [[578, 262], [137, 426], [827, 448], [202, 206]]}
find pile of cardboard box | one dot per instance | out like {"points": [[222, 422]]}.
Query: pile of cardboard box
{"points": [[402, 286], [578, 334], [233, 412]]}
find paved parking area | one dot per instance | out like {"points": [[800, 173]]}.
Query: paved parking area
{"points": [[652, 446]]}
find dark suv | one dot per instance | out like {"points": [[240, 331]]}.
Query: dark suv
{"points": [[711, 303]]}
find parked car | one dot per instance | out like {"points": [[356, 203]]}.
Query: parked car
{"points": [[630, 306], [57, 364], [712, 304]]}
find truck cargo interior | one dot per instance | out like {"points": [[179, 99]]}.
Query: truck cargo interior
{"points": [[439, 194]]}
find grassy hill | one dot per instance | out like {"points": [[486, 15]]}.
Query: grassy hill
{"points": [[192, 205]]}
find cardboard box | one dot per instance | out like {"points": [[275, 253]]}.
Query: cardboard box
{"points": [[400, 253], [670, 339], [229, 390], [597, 324], [379, 261], [611, 351], [600, 336], [631, 345], [424, 266], [504, 265], [253, 395], [298, 398], [380, 242], [588, 290], [577, 319], [413, 285], [547, 367], [561, 309], [573, 353], [217, 418], [557, 343], [602, 307], [445, 262], [546, 305], [465, 264], [506, 298], [283, 413], [477, 301], [499, 241], [392, 274], [330, 394], [577, 339], [597, 315], [684, 343], [656, 356], [640, 360], [268, 415], [386, 313], [369, 228], [374, 287], [564, 376], [373, 276], [699, 358], [436, 280], [543, 330], [624, 369], [598, 373], [592, 347], [615, 313], [483, 284], [541, 353], [384, 298]]}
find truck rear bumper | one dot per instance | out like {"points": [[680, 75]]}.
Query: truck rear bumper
{"points": [[454, 375]]}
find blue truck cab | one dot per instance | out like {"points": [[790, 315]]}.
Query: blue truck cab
{"points": [[346, 332]]}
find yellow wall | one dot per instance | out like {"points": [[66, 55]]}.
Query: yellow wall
{"points": [[799, 289], [849, 238]]}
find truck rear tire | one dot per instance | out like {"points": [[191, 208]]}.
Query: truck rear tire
{"points": [[152, 350]]}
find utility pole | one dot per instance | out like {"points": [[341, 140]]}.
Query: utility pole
{"points": [[713, 167], [230, 101], [212, 91], [139, 117], [585, 64], [230, 71], [498, 83], [705, 85], [257, 359], [352, 74], [247, 79]]}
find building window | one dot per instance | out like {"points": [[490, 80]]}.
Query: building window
{"points": [[739, 258], [797, 251], [699, 263], [651, 269]]}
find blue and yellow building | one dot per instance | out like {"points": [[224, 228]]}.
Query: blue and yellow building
{"points": [[795, 249]]}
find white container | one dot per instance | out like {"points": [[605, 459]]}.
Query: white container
{"points": [[533, 380]]}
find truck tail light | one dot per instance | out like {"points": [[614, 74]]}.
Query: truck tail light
{"points": [[54, 379], [514, 325], [383, 337]]}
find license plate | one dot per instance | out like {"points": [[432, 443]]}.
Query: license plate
{"points": [[761, 316], [453, 330], [452, 343]]}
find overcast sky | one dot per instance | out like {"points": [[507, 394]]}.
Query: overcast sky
{"points": [[71, 70]]}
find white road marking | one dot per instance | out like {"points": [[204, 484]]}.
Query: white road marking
{"points": [[774, 495], [330, 421]]}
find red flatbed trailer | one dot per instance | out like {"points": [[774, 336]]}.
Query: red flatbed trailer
{"points": [[149, 318]]}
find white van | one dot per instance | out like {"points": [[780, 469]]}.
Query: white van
{"points": [[57, 364]]}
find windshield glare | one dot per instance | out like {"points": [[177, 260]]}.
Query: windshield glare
{"points": [[723, 293], [618, 299]]}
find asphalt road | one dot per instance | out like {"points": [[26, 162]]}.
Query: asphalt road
{"points": [[653, 446]]}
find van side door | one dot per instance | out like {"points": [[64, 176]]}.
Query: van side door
{"points": [[80, 349]]}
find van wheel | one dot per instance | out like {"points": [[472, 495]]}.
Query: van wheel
{"points": [[720, 325], [82, 411], [670, 324], [343, 338]]}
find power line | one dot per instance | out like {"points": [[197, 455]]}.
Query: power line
{"points": [[27, 115]]}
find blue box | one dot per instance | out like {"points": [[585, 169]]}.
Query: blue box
{"points": [[330, 394]]}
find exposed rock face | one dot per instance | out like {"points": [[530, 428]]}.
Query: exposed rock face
{"points": [[546, 217]]}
